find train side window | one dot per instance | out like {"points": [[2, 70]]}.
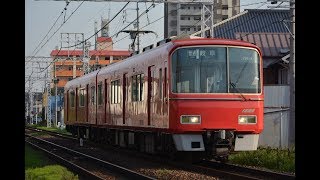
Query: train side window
{"points": [[160, 83], [100, 99], [165, 83], [137, 87], [93, 94], [82, 93], [115, 92], [71, 99]]}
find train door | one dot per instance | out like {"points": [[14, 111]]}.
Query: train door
{"points": [[165, 102], [66, 105], [151, 90], [105, 100], [165, 89], [76, 105], [87, 103], [124, 97]]}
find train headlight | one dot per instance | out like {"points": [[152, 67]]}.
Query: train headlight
{"points": [[247, 119], [190, 119]]}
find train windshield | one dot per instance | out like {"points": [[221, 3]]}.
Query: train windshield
{"points": [[215, 70]]}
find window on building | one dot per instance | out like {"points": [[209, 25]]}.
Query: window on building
{"points": [[224, 17], [115, 92], [69, 78], [196, 17], [70, 68], [182, 18], [137, 87], [283, 76], [81, 100], [100, 99], [93, 95], [71, 100], [225, 7], [188, 18], [188, 7]]}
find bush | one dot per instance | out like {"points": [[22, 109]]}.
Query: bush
{"points": [[276, 159], [50, 172]]}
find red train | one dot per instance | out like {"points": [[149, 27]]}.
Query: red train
{"points": [[200, 96]]}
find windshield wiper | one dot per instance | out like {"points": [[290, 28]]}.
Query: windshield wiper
{"points": [[234, 86]]}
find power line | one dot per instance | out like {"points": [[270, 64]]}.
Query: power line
{"points": [[128, 25], [64, 9], [59, 27], [100, 28]]}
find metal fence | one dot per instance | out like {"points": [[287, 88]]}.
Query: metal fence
{"points": [[276, 116]]}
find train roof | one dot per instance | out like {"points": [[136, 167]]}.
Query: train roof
{"points": [[162, 48]]}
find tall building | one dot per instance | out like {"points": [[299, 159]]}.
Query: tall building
{"points": [[69, 63], [186, 18]]}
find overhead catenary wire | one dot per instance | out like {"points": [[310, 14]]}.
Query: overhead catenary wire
{"points": [[126, 27], [71, 46], [142, 27], [186, 14], [63, 10], [100, 28], [58, 29]]}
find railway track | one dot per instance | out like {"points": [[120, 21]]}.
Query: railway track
{"points": [[211, 168], [245, 171], [86, 165]]}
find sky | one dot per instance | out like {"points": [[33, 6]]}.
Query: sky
{"points": [[41, 15]]}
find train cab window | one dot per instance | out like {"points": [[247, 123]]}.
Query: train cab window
{"points": [[81, 101], [93, 95], [100, 99], [199, 70], [115, 92], [137, 87], [244, 71], [71, 99]]}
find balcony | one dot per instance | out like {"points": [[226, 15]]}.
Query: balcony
{"points": [[64, 73]]}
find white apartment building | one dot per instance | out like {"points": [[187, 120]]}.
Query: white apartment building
{"points": [[186, 18]]}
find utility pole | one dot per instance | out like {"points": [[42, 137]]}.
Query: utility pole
{"points": [[36, 110], [291, 139], [292, 75], [138, 39], [49, 119], [207, 22], [74, 68], [31, 101], [86, 57], [55, 92]]}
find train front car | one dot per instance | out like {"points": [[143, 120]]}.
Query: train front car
{"points": [[216, 97]]}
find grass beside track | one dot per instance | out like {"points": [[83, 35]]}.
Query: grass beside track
{"points": [[38, 166], [53, 129], [281, 160]]}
